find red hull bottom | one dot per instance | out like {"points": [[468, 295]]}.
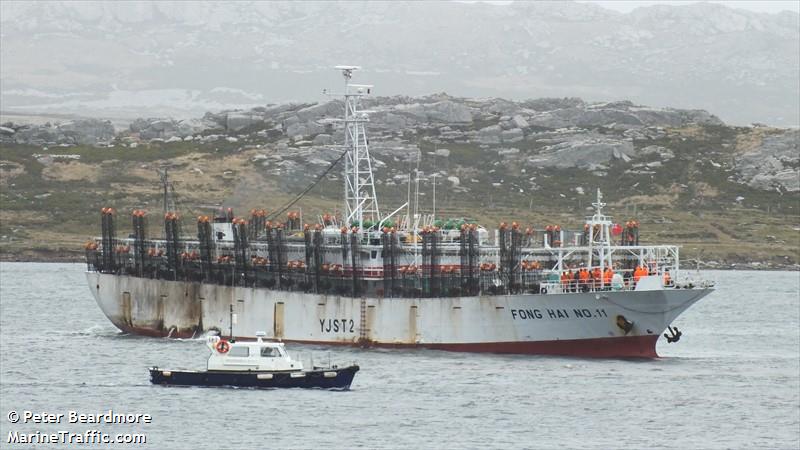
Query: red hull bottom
{"points": [[619, 347], [612, 347]]}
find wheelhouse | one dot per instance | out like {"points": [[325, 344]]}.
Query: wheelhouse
{"points": [[249, 356]]}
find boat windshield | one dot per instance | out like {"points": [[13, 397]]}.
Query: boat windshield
{"points": [[270, 352]]}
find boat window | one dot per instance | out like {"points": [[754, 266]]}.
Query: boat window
{"points": [[269, 352], [374, 254], [241, 351]]}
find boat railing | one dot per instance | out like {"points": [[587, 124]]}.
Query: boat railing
{"points": [[312, 360], [297, 269], [557, 287]]}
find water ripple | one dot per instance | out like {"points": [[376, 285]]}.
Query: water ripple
{"points": [[732, 382]]}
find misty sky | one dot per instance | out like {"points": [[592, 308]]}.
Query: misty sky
{"points": [[736, 59], [764, 6]]}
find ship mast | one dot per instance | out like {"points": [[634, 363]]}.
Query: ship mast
{"points": [[168, 188], [604, 238], [361, 203]]}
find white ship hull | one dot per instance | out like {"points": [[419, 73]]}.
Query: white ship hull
{"points": [[579, 324]]}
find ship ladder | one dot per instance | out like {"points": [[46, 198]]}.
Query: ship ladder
{"points": [[363, 330]]}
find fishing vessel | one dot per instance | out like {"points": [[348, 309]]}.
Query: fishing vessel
{"points": [[256, 364], [402, 279]]}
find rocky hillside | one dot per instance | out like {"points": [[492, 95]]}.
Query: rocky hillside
{"points": [[728, 193]]}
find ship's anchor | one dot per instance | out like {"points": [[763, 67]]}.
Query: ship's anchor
{"points": [[676, 335], [624, 324]]}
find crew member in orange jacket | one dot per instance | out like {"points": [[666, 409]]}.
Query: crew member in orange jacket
{"points": [[639, 273], [597, 276], [607, 275], [583, 276], [572, 281]]}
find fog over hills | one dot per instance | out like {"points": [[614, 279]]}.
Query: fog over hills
{"points": [[129, 59]]}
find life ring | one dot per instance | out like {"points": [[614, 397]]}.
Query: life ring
{"points": [[543, 290], [223, 346]]}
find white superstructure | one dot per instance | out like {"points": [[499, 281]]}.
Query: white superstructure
{"points": [[248, 355]]}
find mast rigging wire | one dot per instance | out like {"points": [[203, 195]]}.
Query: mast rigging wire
{"points": [[306, 190]]}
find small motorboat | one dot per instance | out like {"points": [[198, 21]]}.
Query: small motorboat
{"points": [[256, 364]]}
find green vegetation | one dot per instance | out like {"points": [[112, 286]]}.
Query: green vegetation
{"points": [[49, 208]]}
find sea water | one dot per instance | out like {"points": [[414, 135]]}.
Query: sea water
{"points": [[733, 381]]}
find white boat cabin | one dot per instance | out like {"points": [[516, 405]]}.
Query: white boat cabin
{"points": [[254, 356]]}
